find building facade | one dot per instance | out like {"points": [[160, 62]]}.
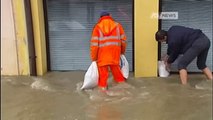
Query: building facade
{"points": [[38, 36]]}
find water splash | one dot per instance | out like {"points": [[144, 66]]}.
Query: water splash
{"points": [[204, 85], [40, 84]]}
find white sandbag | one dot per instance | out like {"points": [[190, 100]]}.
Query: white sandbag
{"points": [[91, 77], [162, 69], [124, 66]]}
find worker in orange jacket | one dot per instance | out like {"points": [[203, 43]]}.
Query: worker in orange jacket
{"points": [[108, 42]]}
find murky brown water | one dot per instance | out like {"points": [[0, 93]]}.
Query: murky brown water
{"points": [[57, 96]]}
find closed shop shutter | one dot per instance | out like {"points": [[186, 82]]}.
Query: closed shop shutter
{"points": [[194, 14], [70, 27]]}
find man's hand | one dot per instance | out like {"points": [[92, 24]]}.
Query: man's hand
{"points": [[165, 58], [168, 66]]}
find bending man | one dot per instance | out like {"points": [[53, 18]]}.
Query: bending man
{"points": [[191, 43]]}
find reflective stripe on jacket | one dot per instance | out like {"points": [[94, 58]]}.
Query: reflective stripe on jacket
{"points": [[108, 41]]}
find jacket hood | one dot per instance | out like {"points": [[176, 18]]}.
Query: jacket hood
{"points": [[107, 25]]}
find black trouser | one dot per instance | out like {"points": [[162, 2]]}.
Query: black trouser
{"points": [[199, 49]]}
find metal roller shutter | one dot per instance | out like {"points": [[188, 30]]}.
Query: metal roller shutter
{"points": [[191, 13], [70, 26]]}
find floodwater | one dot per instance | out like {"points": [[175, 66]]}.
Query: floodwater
{"points": [[57, 96]]}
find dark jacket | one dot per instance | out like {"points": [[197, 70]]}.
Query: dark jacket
{"points": [[179, 40]]}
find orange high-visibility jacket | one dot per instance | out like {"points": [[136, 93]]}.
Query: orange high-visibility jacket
{"points": [[108, 42]]}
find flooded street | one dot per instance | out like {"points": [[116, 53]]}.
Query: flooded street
{"points": [[57, 96]]}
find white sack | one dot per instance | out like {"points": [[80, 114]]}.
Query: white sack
{"points": [[91, 77], [124, 66], [162, 69]]}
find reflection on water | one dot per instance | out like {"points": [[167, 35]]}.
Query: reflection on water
{"points": [[57, 96]]}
